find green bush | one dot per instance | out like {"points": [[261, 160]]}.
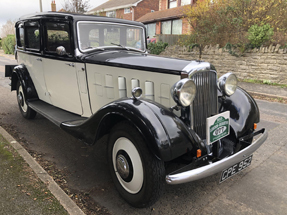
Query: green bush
{"points": [[157, 48], [8, 44], [0, 43], [257, 35]]}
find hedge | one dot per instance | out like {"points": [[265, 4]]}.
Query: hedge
{"points": [[157, 48], [8, 44]]}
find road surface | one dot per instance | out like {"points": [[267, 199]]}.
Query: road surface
{"points": [[260, 189]]}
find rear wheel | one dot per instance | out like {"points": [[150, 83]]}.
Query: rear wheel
{"points": [[138, 175], [25, 110]]}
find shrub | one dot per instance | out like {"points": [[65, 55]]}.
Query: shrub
{"points": [[8, 44], [259, 34], [0, 43], [221, 21], [157, 48]]}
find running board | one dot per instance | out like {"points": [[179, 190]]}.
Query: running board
{"points": [[54, 114]]}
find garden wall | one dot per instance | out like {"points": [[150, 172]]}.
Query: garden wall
{"points": [[265, 63]]}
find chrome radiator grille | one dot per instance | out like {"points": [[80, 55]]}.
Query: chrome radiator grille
{"points": [[205, 102]]}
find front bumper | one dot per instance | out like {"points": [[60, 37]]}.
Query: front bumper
{"points": [[218, 166]]}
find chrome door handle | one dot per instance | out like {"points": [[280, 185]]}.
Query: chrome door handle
{"points": [[39, 59], [70, 64]]}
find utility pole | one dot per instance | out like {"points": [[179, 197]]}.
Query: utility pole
{"points": [[41, 9]]}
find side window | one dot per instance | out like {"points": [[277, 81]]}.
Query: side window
{"points": [[57, 34], [20, 36], [32, 35]]}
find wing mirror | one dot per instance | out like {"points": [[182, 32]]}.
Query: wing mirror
{"points": [[61, 50]]}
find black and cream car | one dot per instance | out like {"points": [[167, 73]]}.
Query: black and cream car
{"points": [[92, 76]]}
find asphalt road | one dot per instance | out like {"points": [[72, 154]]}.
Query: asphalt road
{"points": [[260, 189]]}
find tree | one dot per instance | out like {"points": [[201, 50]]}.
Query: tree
{"points": [[223, 21], [8, 28], [76, 6]]}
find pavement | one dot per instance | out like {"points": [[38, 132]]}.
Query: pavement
{"points": [[9, 56], [268, 91]]}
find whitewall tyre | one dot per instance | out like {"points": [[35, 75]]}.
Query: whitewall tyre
{"points": [[138, 175], [25, 110]]}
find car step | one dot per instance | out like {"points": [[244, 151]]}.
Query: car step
{"points": [[54, 114]]}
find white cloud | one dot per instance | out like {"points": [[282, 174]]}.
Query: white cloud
{"points": [[14, 9]]}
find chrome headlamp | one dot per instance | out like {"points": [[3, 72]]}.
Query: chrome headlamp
{"points": [[183, 92], [227, 84]]}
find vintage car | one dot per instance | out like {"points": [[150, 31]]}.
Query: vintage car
{"points": [[92, 76]]}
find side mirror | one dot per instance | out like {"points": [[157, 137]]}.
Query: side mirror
{"points": [[61, 50]]}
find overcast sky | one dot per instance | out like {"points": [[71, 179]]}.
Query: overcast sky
{"points": [[13, 9]]}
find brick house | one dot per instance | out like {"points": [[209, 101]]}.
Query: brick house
{"points": [[169, 19], [126, 9]]}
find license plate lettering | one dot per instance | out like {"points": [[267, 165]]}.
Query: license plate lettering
{"points": [[234, 169]]}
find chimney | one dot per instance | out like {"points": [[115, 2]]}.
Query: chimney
{"points": [[53, 6]]}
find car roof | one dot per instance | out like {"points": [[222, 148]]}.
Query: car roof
{"points": [[77, 17]]}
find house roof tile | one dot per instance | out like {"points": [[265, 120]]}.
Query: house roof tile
{"points": [[177, 12], [114, 4]]}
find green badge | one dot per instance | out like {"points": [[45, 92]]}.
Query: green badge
{"points": [[217, 127]]}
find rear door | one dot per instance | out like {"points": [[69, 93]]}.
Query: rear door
{"points": [[29, 36]]}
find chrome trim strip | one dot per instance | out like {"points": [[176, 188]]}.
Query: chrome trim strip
{"points": [[191, 117], [198, 66], [205, 102], [208, 170]]}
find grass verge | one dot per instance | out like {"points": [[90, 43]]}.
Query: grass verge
{"points": [[22, 192], [267, 82]]}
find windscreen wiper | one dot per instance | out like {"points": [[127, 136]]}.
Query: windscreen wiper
{"points": [[128, 48], [94, 48], [120, 46]]}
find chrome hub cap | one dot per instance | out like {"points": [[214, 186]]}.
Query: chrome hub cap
{"points": [[123, 166], [21, 99]]}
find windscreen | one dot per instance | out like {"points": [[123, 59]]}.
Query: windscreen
{"points": [[93, 35]]}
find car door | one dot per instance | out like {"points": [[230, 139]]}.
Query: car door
{"points": [[28, 33], [60, 71]]}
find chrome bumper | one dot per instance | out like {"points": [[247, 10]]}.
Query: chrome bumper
{"points": [[216, 167]]}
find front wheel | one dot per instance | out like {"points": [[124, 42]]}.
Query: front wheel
{"points": [[138, 175], [25, 110]]}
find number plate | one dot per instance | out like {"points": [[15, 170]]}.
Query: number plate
{"points": [[234, 169]]}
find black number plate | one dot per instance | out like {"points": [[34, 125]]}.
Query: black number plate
{"points": [[234, 169]]}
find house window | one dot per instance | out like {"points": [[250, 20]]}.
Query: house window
{"points": [[111, 13], [150, 30], [172, 3], [185, 2], [127, 10], [166, 27], [172, 27], [176, 27]]}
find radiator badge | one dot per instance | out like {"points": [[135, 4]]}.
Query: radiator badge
{"points": [[217, 127]]}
